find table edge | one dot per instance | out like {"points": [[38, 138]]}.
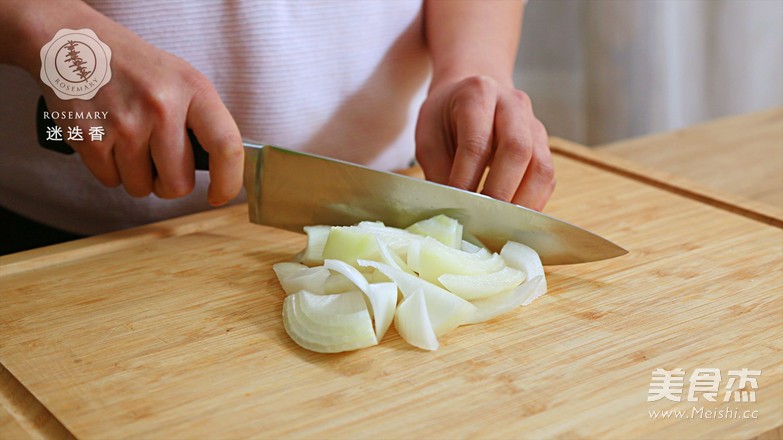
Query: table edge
{"points": [[754, 210]]}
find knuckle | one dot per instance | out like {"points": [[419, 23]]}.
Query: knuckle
{"points": [[229, 146], [504, 194], [176, 188], [475, 147], [126, 128], [479, 84], [522, 97], [472, 93], [545, 170], [138, 189], [198, 81], [518, 150], [460, 182]]}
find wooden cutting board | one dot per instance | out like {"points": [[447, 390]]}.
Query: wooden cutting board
{"points": [[174, 330]]}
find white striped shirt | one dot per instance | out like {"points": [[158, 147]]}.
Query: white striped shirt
{"points": [[338, 78]]}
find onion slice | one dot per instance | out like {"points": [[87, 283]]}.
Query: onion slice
{"points": [[328, 324], [472, 287], [382, 296], [493, 306], [446, 310], [524, 258], [316, 240], [412, 321], [311, 279]]}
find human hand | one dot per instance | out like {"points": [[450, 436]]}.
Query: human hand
{"points": [[466, 125], [152, 98]]}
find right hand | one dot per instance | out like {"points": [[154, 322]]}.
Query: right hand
{"points": [[151, 99]]}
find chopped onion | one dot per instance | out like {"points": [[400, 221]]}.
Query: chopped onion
{"points": [[436, 259], [442, 228], [472, 287], [446, 311], [382, 296], [493, 306], [350, 299], [286, 269], [316, 240], [524, 258], [328, 323], [412, 321], [311, 279]]}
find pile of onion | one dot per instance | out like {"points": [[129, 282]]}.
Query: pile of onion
{"points": [[351, 282]]}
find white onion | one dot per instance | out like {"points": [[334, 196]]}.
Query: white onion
{"points": [[311, 279], [472, 287], [493, 306], [350, 301], [382, 296], [352, 328], [442, 228], [524, 258], [316, 240], [436, 259], [412, 321], [446, 311]]}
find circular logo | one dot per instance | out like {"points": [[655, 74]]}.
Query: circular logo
{"points": [[75, 64]]}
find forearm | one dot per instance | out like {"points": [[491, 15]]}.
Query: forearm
{"points": [[26, 25], [472, 37]]}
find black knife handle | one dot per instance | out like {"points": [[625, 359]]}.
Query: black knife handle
{"points": [[200, 156]]}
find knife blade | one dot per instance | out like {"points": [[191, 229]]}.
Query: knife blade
{"points": [[290, 190]]}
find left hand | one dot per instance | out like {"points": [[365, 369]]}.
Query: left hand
{"points": [[466, 125]]}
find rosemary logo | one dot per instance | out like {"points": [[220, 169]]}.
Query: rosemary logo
{"points": [[75, 64]]}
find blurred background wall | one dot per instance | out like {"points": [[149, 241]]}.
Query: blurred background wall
{"points": [[603, 70]]}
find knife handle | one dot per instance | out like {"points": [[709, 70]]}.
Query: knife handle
{"points": [[200, 156]]}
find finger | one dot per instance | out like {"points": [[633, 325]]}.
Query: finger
{"points": [[539, 182], [513, 152], [134, 165], [98, 157], [173, 158], [218, 134], [432, 150], [473, 116]]}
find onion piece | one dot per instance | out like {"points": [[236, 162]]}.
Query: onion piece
{"points": [[347, 271], [412, 321], [311, 279], [524, 258], [442, 228], [391, 258], [316, 240], [493, 306], [470, 247], [347, 243], [382, 296], [472, 287], [397, 239], [436, 259], [286, 269], [446, 311], [352, 331], [338, 283]]}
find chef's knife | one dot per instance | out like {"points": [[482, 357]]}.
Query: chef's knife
{"points": [[291, 190]]}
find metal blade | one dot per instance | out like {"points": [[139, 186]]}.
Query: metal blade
{"points": [[289, 190]]}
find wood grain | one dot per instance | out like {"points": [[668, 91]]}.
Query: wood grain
{"points": [[759, 211], [739, 155], [22, 417], [180, 335]]}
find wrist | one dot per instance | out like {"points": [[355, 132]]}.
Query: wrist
{"points": [[453, 76], [457, 67]]}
